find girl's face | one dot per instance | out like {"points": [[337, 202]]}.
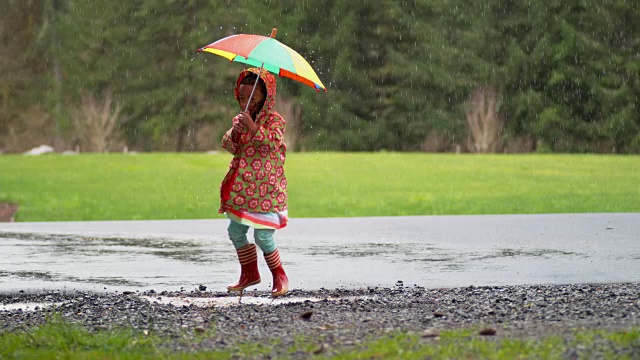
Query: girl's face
{"points": [[244, 92]]}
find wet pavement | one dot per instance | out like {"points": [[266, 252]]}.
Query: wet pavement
{"points": [[428, 251]]}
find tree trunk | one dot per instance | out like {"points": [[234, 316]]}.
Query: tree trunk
{"points": [[483, 120], [292, 114]]}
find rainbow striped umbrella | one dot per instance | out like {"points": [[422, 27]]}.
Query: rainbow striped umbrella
{"points": [[267, 53]]}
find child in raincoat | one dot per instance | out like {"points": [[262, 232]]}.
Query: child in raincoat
{"points": [[253, 194]]}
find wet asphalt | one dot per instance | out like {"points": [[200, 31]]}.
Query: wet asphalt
{"points": [[331, 253]]}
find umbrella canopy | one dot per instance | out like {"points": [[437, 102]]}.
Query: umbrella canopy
{"points": [[268, 53]]}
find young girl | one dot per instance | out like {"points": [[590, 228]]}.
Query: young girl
{"points": [[253, 193]]}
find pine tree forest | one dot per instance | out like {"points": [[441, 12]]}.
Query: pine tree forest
{"points": [[492, 76]]}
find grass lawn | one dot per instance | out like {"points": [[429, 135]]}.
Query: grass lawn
{"points": [[61, 340], [185, 186]]}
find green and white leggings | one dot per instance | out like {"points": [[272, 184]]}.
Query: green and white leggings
{"points": [[263, 237]]}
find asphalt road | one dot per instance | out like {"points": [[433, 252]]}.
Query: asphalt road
{"points": [[429, 251]]}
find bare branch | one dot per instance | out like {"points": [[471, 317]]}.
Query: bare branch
{"points": [[96, 121]]}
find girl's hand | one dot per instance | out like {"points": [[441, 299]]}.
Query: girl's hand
{"points": [[237, 126], [247, 122], [236, 129]]}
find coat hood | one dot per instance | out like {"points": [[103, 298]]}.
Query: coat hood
{"points": [[270, 83]]}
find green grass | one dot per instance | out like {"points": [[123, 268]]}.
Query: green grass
{"points": [[61, 340], [460, 344], [58, 339], [185, 186]]}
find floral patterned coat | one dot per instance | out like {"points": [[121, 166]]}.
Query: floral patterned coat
{"points": [[256, 182]]}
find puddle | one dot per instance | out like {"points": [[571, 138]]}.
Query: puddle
{"points": [[236, 300], [321, 253], [195, 301], [191, 256], [531, 253], [56, 277], [70, 241], [368, 249], [28, 306]]}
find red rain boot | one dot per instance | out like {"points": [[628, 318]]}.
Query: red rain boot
{"points": [[280, 280], [249, 274]]}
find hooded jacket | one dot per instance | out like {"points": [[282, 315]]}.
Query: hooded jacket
{"points": [[256, 182]]}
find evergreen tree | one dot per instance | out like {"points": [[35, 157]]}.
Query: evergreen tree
{"points": [[360, 49], [566, 80], [397, 71], [22, 66]]}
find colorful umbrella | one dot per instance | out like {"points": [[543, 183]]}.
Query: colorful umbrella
{"points": [[266, 53]]}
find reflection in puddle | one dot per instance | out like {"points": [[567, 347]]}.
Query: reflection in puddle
{"points": [[40, 275], [505, 253], [369, 249], [436, 254], [68, 242], [237, 300], [192, 256], [54, 277], [453, 267], [435, 259], [64, 245]]}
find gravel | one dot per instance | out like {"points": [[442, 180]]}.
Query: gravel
{"points": [[344, 318]]}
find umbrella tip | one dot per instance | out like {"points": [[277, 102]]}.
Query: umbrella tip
{"points": [[273, 33]]}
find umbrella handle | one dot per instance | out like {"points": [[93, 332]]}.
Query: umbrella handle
{"points": [[254, 88], [274, 31]]}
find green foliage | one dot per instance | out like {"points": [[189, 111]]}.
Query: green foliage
{"points": [[397, 71], [23, 71], [567, 72], [173, 186]]}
